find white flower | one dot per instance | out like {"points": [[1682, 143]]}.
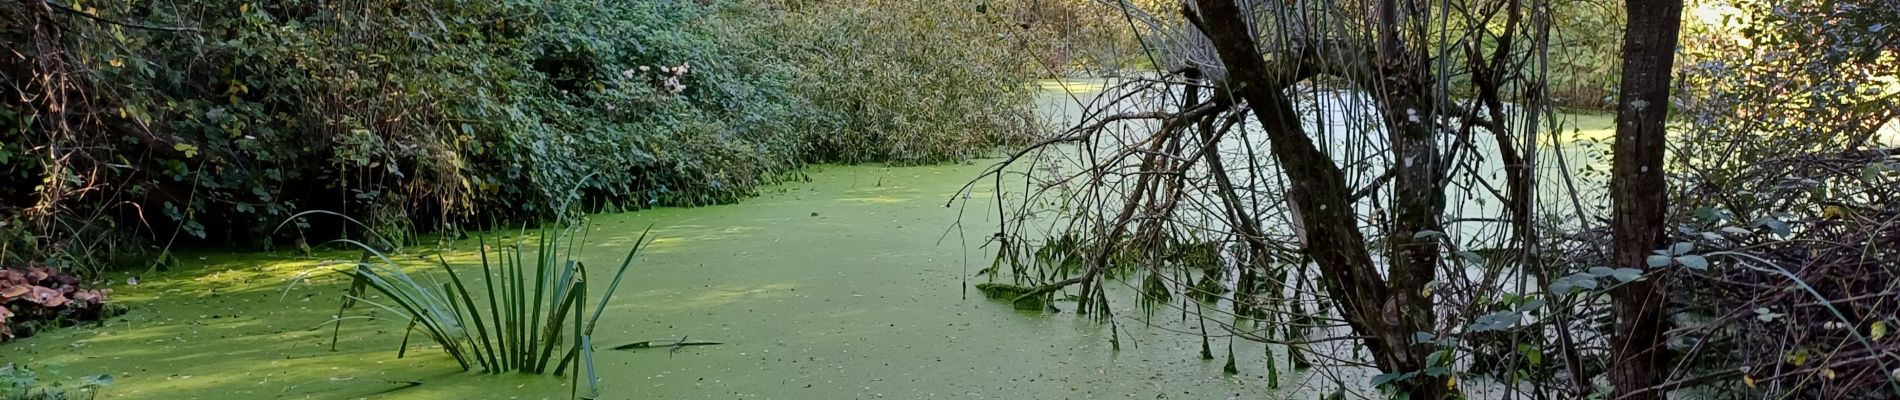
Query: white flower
{"points": [[643, 68]]}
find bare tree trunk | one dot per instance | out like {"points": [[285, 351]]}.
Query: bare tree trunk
{"points": [[1636, 188], [1335, 243], [1403, 92]]}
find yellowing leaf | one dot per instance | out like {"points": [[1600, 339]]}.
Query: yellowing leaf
{"points": [[244, 8], [1451, 383], [116, 63], [189, 150], [1834, 212], [1827, 373], [1749, 380], [1798, 357], [1879, 330]]}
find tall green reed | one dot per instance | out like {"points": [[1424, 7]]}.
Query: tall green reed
{"points": [[537, 303]]}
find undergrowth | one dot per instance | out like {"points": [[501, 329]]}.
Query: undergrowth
{"points": [[209, 122]]}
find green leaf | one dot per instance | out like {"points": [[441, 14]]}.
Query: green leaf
{"points": [[1471, 257], [1497, 321], [1766, 315], [1774, 225], [1659, 261], [1389, 377], [1532, 305], [1694, 262], [1573, 283], [1626, 274], [1681, 248], [1532, 353]]}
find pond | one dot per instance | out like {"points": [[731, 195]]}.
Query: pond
{"points": [[852, 285], [844, 287]]}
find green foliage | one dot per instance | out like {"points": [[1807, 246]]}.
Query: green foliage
{"points": [[904, 81], [1586, 59], [414, 114], [1771, 84]]}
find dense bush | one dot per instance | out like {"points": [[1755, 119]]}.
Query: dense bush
{"points": [[1790, 179], [217, 120], [895, 81]]}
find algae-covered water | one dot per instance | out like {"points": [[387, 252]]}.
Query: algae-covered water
{"points": [[851, 285], [846, 287]]}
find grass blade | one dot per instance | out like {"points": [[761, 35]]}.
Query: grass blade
{"points": [[481, 329]]}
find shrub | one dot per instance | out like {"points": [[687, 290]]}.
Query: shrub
{"points": [[414, 114]]}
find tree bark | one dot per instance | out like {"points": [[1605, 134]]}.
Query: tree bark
{"points": [[1637, 192], [1384, 317]]}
